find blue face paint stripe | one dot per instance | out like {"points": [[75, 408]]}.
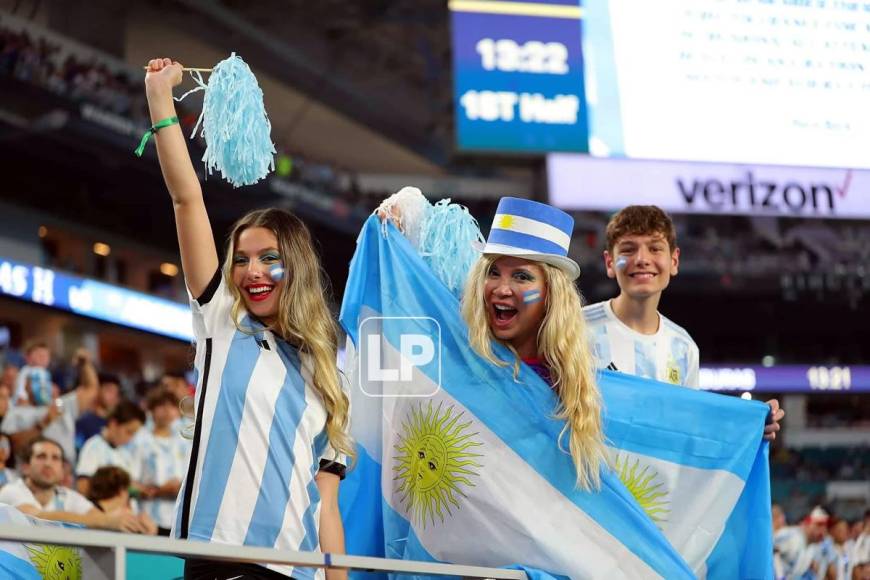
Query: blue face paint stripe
{"points": [[224, 434], [274, 493]]}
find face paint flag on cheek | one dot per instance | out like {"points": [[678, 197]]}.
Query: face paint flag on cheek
{"points": [[531, 296], [621, 263], [277, 272]]}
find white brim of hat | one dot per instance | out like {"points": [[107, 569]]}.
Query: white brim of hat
{"points": [[564, 263]]}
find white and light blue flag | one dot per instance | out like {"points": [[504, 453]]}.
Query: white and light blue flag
{"points": [[461, 463], [29, 561]]}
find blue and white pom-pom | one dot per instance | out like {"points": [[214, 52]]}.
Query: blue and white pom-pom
{"points": [[234, 124], [444, 234], [447, 238]]}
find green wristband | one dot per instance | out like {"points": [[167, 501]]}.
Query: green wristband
{"points": [[154, 128]]}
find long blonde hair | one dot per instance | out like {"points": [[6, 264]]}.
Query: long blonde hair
{"points": [[563, 343], [303, 319]]}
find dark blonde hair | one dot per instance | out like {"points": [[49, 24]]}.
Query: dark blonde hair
{"points": [[640, 220], [304, 318]]}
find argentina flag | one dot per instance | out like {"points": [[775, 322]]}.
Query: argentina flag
{"points": [[460, 463], [29, 561], [696, 463]]}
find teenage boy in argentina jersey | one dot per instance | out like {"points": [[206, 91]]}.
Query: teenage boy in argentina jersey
{"points": [[628, 332]]}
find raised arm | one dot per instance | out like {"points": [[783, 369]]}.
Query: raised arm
{"points": [[89, 382], [199, 258]]}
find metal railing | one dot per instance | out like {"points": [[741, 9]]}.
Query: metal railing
{"points": [[104, 554]]}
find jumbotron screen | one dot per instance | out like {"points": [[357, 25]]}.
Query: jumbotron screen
{"points": [[775, 82]]}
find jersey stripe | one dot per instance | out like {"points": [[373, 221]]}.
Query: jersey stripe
{"points": [[194, 453], [275, 487], [223, 442]]}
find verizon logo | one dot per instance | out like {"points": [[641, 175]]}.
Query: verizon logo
{"points": [[762, 195]]}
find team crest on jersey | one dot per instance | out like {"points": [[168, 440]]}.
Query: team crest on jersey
{"points": [[673, 372], [435, 461]]}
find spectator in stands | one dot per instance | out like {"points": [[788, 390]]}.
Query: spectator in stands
{"points": [[7, 474], [629, 333], [109, 447], [162, 458], [55, 420], [92, 422], [39, 494], [33, 385], [840, 549], [800, 546], [248, 312], [109, 491]]}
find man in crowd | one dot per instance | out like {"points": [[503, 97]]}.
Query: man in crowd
{"points": [[800, 547], [39, 494]]}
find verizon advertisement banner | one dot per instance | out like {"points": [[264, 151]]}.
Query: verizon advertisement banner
{"points": [[580, 182]]}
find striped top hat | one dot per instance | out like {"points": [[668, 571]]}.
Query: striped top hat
{"points": [[534, 231]]}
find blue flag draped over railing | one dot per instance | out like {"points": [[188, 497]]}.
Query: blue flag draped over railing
{"points": [[461, 463]]}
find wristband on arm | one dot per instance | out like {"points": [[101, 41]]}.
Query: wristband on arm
{"points": [[152, 131]]}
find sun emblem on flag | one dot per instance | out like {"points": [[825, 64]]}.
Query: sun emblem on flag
{"points": [[505, 222], [56, 562], [645, 485], [435, 460]]}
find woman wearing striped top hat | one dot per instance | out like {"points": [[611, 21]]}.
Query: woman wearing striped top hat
{"points": [[270, 437], [521, 292]]}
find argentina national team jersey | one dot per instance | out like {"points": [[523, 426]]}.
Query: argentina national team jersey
{"points": [[161, 459], [259, 438], [670, 355]]}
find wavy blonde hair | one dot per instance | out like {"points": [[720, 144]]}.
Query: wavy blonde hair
{"points": [[303, 319], [564, 346]]}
